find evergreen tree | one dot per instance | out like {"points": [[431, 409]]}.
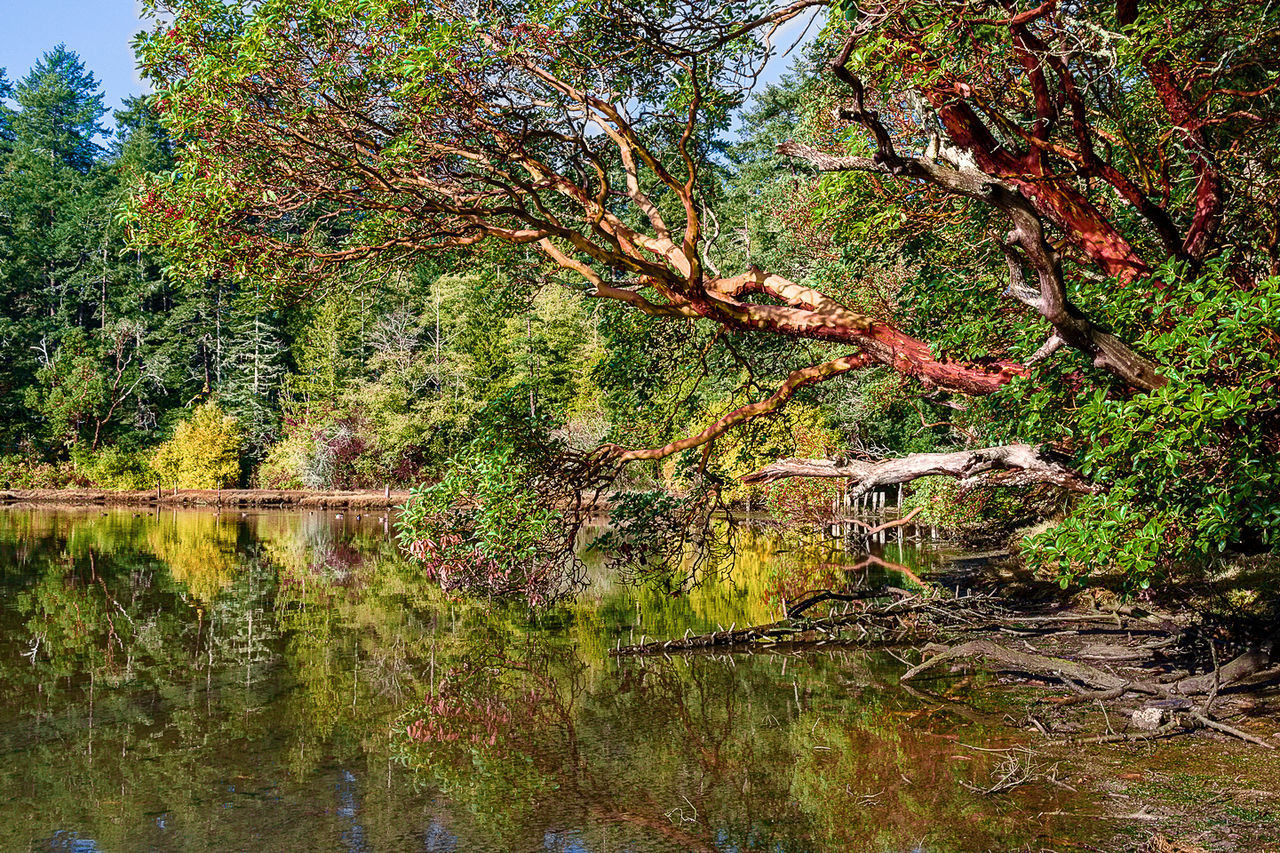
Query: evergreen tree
{"points": [[254, 369], [48, 194], [61, 110]]}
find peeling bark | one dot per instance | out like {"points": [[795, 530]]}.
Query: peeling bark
{"points": [[775, 401]]}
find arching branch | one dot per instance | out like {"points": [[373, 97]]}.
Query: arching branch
{"points": [[794, 382]]}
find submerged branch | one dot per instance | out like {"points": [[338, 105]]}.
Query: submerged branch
{"points": [[906, 618]]}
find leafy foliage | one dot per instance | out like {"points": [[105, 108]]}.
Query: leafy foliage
{"points": [[1193, 468], [501, 521], [204, 452]]}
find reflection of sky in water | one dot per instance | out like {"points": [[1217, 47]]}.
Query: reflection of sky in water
{"points": [[564, 842], [437, 839], [349, 808], [269, 711], [72, 843]]}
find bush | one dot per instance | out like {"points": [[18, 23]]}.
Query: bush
{"points": [[1192, 469], [497, 523], [287, 462], [20, 472], [332, 450], [115, 468], [204, 452]]}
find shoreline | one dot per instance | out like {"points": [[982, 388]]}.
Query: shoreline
{"points": [[263, 498]]}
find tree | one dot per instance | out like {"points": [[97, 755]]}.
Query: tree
{"points": [[1103, 142], [82, 317], [49, 217], [255, 369], [60, 111], [204, 452]]}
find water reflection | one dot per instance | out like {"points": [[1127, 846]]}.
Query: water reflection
{"points": [[196, 681]]}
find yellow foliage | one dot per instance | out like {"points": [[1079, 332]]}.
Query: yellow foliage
{"points": [[200, 551], [799, 430], [204, 452]]}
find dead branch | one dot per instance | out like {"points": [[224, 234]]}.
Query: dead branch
{"points": [[1205, 721], [906, 618], [1062, 669], [872, 531], [810, 599], [1012, 465]]}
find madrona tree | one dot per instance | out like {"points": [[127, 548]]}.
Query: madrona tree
{"points": [[1119, 159]]}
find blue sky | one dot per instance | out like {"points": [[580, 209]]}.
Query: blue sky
{"points": [[99, 30]]}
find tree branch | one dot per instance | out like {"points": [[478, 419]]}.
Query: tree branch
{"points": [[797, 380]]}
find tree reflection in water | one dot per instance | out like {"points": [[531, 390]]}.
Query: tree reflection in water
{"points": [[286, 682]]}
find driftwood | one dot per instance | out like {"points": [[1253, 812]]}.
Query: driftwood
{"points": [[1242, 667], [1250, 665], [1013, 465], [887, 616]]}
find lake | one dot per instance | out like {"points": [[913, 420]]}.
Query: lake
{"points": [[184, 680]]}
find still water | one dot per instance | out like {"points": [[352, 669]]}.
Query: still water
{"points": [[264, 682]]}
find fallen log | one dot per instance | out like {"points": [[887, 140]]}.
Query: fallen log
{"points": [[909, 618], [1012, 465]]}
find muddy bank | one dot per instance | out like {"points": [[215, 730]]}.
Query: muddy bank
{"points": [[274, 498]]}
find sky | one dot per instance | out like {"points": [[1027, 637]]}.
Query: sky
{"points": [[99, 30]]}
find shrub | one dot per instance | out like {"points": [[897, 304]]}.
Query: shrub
{"points": [[114, 468], [204, 452], [22, 472], [498, 523], [1191, 469]]}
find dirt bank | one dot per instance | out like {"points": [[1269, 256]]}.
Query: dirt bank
{"points": [[277, 498]]}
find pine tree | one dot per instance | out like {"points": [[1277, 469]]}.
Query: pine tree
{"points": [[61, 111], [254, 368]]}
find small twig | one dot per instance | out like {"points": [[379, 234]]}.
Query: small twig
{"points": [[1228, 730], [1217, 680], [1166, 730]]}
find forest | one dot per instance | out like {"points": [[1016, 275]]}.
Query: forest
{"points": [[1021, 258]]}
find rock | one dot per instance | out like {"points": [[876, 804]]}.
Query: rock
{"points": [[1148, 719]]}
